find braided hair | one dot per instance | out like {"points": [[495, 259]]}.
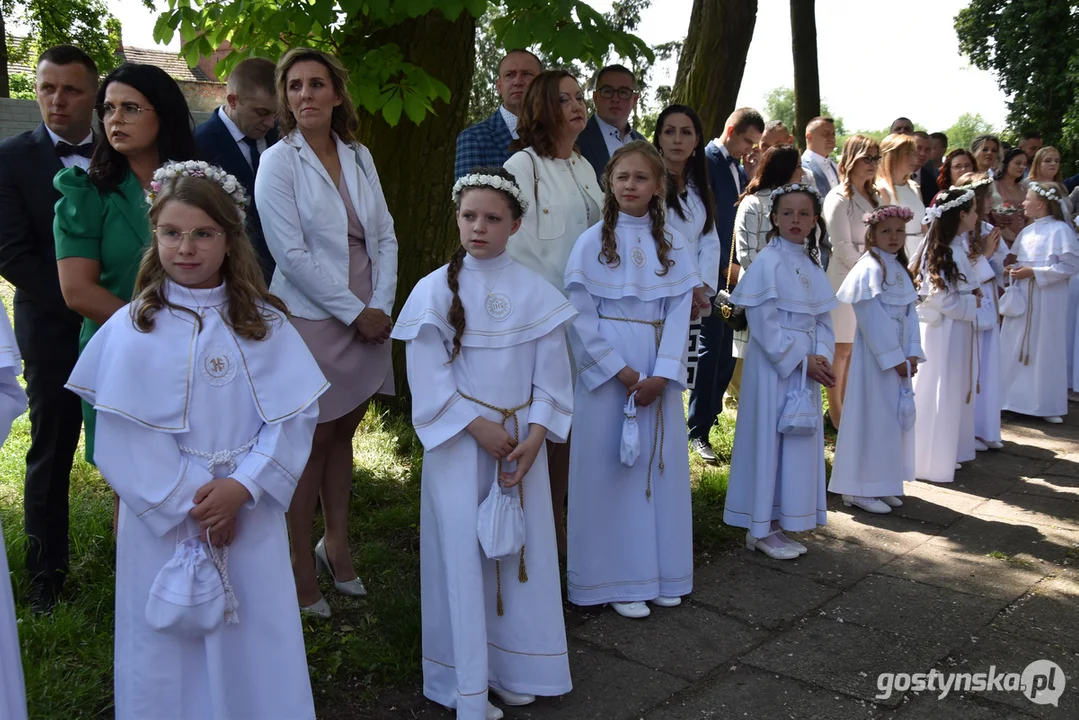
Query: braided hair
{"points": [[656, 211]]}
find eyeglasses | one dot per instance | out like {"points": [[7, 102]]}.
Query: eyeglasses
{"points": [[127, 112], [607, 92], [172, 238], [871, 159]]}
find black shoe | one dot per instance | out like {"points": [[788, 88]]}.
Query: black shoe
{"points": [[43, 593], [702, 448]]}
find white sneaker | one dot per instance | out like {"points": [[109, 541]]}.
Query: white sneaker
{"points": [[667, 601], [979, 446], [513, 699], [494, 713], [891, 500], [868, 504], [1054, 419], [633, 610], [995, 444]]}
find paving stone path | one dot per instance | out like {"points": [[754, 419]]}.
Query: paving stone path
{"points": [[983, 572]]}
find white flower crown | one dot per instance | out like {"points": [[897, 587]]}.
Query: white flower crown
{"points": [[1049, 192], [934, 212], [198, 168], [495, 182], [976, 184], [795, 187]]}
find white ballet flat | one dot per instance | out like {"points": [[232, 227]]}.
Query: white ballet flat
{"points": [[320, 610], [979, 446], [795, 545], [873, 505], [513, 699], [352, 588], [667, 601], [1054, 419], [994, 444], [632, 610], [781, 553], [891, 500]]}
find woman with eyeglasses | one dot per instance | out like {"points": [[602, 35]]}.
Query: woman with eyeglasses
{"points": [[956, 164], [846, 204], [102, 223]]}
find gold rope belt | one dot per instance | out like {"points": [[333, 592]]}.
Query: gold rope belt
{"points": [[507, 413], [1026, 341], [660, 431]]}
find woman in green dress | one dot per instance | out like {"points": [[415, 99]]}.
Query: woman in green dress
{"points": [[102, 225]]}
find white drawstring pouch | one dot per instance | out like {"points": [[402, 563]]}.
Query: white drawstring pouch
{"points": [[800, 415], [187, 598], [1013, 302], [631, 439], [907, 413], [501, 523]]}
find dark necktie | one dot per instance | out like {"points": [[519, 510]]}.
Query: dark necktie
{"points": [[64, 150], [253, 145]]}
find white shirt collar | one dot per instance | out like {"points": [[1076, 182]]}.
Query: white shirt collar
{"points": [[237, 134], [722, 149], [607, 129], [510, 120], [818, 157], [57, 139]]}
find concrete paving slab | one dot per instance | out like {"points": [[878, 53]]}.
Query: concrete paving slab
{"points": [[892, 534], [830, 561], [1049, 613], [1022, 509]]}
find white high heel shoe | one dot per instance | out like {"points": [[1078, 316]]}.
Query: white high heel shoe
{"points": [[352, 588], [320, 609]]}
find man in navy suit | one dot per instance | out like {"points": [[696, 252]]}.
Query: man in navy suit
{"points": [[818, 166], [614, 96], [715, 364], [237, 134], [487, 143]]}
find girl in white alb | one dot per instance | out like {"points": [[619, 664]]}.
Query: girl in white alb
{"points": [[207, 402], [631, 279], [1034, 370], [944, 389], [12, 405], [874, 453], [777, 479], [490, 378]]}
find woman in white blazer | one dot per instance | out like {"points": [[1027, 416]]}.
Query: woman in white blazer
{"points": [[564, 200], [331, 235]]}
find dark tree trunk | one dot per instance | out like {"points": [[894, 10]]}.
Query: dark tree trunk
{"points": [[714, 59], [806, 77], [5, 85], [415, 163]]}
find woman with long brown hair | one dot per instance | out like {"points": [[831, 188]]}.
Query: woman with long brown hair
{"points": [[331, 234], [957, 163], [565, 201]]}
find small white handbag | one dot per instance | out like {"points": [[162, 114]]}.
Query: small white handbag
{"points": [[501, 523], [907, 413], [1013, 302], [800, 414], [631, 439], [187, 598]]}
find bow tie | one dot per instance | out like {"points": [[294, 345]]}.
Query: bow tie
{"points": [[64, 149]]}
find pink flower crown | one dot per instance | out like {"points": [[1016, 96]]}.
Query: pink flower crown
{"points": [[888, 211]]}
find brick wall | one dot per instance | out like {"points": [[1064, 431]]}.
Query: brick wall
{"points": [[18, 116]]}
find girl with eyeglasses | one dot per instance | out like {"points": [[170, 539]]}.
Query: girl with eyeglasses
{"points": [[101, 226]]}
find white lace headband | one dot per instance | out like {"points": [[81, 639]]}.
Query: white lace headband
{"points": [[935, 212], [1049, 192], [495, 182], [976, 184], [795, 187], [197, 168]]}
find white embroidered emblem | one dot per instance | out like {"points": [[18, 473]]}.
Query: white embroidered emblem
{"points": [[218, 365], [899, 278], [638, 257], [499, 306], [804, 279]]}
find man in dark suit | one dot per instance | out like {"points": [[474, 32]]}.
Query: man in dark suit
{"points": [[487, 143], [46, 330], [614, 96], [715, 364], [237, 134], [925, 176]]}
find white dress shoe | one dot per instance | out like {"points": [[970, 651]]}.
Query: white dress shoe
{"points": [[494, 713], [352, 588], [1054, 419], [979, 446], [891, 500], [634, 610], [513, 699], [869, 504], [793, 544], [667, 601], [320, 610], [784, 552], [958, 466], [995, 444]]}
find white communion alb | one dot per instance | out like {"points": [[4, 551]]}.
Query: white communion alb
{"points": [[487, 623], [990, 274], [177, 407]]}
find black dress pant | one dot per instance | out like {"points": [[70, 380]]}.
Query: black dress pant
{"points": [[715, 368], [55, 422]]}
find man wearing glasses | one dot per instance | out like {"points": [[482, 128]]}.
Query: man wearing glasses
{"points": [[237, 134], [615, 97]]}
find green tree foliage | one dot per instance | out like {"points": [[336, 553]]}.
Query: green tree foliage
{"points": [[779, 105], [1032, 46], [22, 87], [965, 129], [382, 80]]}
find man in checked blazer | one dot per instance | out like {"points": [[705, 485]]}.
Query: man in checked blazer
{"points": [[486, 144]]}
